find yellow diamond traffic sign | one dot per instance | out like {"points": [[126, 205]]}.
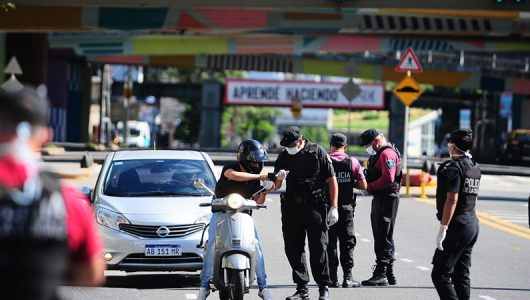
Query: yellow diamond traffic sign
{"points": [[408, 90]]}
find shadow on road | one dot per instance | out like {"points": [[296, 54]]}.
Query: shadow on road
{"points": [[153, 281]]}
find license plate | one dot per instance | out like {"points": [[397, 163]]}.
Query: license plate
{"points": [[163, 250]]}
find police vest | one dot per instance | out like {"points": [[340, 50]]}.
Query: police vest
{"points": [[33, 243], [345, 180], [373, 173], [304, 169], [469, 173]]}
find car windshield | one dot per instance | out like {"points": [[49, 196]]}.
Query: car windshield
{"points": [[523, 137], [134, 132], [149, 177]]}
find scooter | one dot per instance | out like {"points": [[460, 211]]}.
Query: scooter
{"points": [[234, 265]]}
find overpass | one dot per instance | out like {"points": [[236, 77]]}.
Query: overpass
{"points": [[471, 51]]}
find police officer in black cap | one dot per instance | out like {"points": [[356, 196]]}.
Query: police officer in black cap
{"points": [[349, 176], [383, 175], [456, 197], [306, 209]]}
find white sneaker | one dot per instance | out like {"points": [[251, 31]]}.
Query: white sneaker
{"points": [[265, 294], [203, 293]]}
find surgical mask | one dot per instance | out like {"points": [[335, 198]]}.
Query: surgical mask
{"points": [[292, 150], [370, 150]]}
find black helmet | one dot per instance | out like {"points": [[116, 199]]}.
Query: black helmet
{"points": [[250, 151]]}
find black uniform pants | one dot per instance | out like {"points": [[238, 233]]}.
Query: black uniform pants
{"points": [[297, 221], [383, 217], [344, 233], [450, 273]]}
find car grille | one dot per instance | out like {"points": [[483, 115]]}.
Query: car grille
{"points": [[150, 231], [140, 258]]}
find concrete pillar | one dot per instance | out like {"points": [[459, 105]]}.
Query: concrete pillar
{"points": [[210, 132], [396, 130], [78, 100]]}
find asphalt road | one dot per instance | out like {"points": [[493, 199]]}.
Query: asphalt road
{"points": [[501, 258]]}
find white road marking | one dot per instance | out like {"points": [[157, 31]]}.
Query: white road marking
{"points": [[486, 297], [407, 260], [365, 240], [191, 296], [423, 268]]}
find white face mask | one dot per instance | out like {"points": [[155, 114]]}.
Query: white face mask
{"points": [[370, 150], [292, 150]]}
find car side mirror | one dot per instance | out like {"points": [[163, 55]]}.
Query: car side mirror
{"points": [[87, 192]]}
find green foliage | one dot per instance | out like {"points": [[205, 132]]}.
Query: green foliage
{"points": [[189, 128], [371, 116], [8, 6], [248, 121], [316, 134]]}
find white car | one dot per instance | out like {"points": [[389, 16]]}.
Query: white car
{"points": [[147, 209]]}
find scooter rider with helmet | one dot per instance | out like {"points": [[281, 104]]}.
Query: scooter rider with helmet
{"points": [[243, 178]]}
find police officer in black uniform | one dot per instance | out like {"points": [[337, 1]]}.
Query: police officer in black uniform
{"points": [[349, 176], [383, 175], [456, 197], [305, 208]]}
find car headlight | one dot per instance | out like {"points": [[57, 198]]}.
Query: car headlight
{"points": [[204, 219], [110, 219], [235, 201]]}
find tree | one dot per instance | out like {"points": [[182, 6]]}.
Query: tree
{"points": [[243, 122]]}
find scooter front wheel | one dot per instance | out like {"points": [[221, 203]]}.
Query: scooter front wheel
{"points": [[237, 288]]}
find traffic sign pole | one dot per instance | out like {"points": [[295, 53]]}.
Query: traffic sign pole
{"points": [[405, 148]]}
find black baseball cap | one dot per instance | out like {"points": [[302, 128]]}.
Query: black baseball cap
{"points": [[462, 138], [368, 136], [290, 135], [338, 140]]}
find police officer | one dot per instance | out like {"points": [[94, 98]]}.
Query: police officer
{"points": [[48, 235], [349, 175], [384, 181], [456, 197], [309, 173]]}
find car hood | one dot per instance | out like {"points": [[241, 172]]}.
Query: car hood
{"points": [[158, 210]]}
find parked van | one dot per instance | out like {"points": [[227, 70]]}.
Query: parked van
{"points": [[139, 133]]}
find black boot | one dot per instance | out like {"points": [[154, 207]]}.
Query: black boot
{"points": [[378, 278], [323, 293], [390, 273], [334, 282], [302, 293], [348, 280]]}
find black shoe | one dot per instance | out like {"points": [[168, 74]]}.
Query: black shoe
{"points": [[334, 284], [390, 274], [323, 293], [378, 278], [300, 294], [350, 283]]}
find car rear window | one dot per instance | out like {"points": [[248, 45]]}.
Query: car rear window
{"points": [[523, 137], [150, 177]]}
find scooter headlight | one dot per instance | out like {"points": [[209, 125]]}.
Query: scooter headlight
{"points": [[235, 201]]}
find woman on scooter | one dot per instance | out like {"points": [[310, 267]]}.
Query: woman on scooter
{"points": [[242, 178]]}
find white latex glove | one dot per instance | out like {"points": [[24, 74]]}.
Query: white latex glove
{"points": [[282, 174], [333, 216], [441, 237]]}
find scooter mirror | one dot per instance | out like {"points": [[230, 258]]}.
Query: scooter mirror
{"points": [[199, 183], [267, 184]]}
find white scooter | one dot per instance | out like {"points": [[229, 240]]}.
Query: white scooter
{"points": [[234, 264]]}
